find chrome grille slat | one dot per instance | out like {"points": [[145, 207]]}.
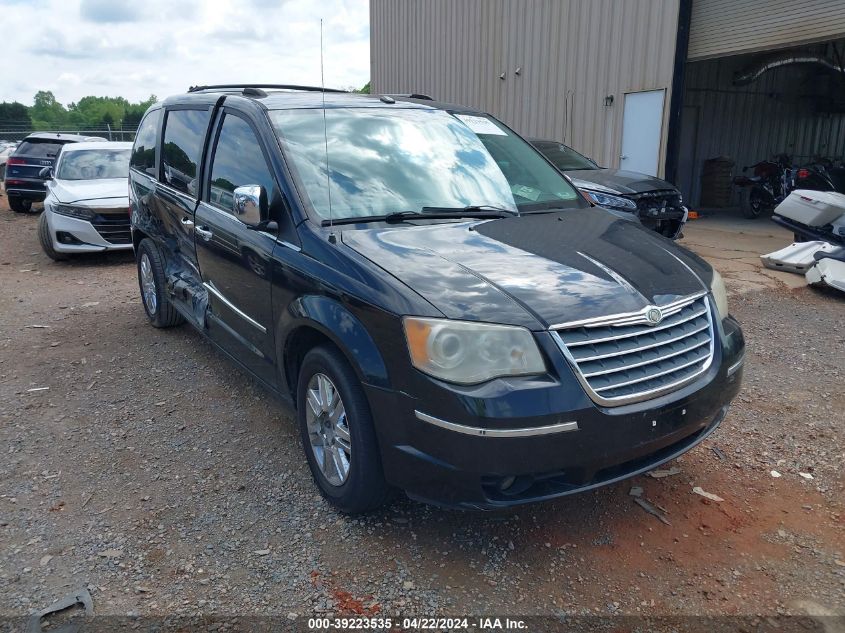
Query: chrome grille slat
{"points": [[623, 359], [646, 362], [655, 375], [700, 328], [647, 330]]}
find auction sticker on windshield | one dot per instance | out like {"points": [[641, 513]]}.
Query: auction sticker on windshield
{"points": [[481, 125]]}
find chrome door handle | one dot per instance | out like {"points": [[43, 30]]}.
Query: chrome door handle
{"points": [[203, 232], [187, 222]]}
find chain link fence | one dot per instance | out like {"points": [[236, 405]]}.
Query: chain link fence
{"points": [[12, 131]]}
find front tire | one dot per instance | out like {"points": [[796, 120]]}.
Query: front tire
{"points": [[160, 311], [338, 434], [756, 205], [19, 205], [46, 240]]}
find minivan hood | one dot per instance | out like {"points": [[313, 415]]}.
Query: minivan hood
{"points": [[537, 270], [617, 181], [68, 191]]}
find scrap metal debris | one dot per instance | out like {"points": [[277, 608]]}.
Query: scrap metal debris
{"points": [[707, 495], [660, 474], [718, 452], [80, 597], [652, 510]]}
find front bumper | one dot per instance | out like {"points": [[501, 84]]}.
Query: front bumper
{"points": [[86, 238], [518, 441]]}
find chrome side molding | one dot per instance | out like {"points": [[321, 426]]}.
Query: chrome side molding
{"points": [[210, 287], [562, 427], [733, 368]]}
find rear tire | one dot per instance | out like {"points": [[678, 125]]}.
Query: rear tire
{"points": [[361, 486], [19, 205], [151, 281], [46, 240]]}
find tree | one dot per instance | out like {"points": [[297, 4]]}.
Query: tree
{"points": [[15, 115], [366, 89], [46, 111]]}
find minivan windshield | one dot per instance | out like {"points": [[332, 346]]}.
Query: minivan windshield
{"points": [[389, 160], [94, 164]]}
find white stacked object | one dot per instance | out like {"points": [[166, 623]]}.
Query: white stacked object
{"points": [[812, 208]]}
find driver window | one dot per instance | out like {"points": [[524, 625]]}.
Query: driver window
{"points": [[238, 161]]}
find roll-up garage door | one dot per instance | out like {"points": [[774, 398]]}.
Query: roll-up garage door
{"points": [[728, 27]]}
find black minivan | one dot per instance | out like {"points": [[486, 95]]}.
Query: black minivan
{"points": [[447, 314]]}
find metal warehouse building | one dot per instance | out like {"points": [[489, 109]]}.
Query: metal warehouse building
{"points": [[656, 86]]}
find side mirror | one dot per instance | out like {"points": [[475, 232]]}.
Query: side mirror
{"points": [[249, 204], [46, 172]]}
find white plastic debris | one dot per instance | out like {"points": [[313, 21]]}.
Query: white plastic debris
{"points": [[707, 495], [797, 257], [806, 475], [827, 272], [775, 474]]}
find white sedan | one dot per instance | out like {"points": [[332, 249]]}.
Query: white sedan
{"points": [[87, 204]]}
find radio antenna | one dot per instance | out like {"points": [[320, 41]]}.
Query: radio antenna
{"points": [[332, 237]]}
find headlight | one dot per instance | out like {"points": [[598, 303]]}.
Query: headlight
{"points": [[612, 202], [73, 211], [469, 353], [720, 294]]}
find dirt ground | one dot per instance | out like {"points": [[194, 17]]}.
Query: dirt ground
{"points": [[139, 463]]}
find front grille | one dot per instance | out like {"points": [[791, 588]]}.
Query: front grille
{"points": [[624, 358], [657, 203], [113, 228]]}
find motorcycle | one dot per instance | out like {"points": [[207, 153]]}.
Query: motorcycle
{"points": [[771, 182], [820, 175]]}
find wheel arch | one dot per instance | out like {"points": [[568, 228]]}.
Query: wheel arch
{"points": [[316, 320]]}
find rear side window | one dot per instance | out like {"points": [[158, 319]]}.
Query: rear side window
{"points": [[184, 131], [39, 149], [144, 150], [237, 161]]}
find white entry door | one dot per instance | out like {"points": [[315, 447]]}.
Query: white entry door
{"points": [[641, 126]]}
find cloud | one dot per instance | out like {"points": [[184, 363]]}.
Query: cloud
{"points": [[54, 45], [108, 11]]}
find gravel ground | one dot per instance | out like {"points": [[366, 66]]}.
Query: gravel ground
{"points": [[141, 464]]}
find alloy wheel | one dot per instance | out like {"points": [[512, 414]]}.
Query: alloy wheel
{"points": [[148, 284], [328, 429]]}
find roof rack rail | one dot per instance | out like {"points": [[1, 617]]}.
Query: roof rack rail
{"points": [[412, 95], [255, 89]]}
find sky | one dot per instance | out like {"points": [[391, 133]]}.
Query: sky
{"points": [[141, 47]]}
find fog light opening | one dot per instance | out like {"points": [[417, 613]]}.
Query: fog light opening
{"points": [[64, 237]]}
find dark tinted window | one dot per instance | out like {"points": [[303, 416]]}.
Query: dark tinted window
{"points": [[38, 149], [238, 161], [564, 157], [144, 150], [184, 131]]}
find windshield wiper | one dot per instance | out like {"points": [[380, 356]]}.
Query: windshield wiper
{"points": [[472, 208], [433, 213]]}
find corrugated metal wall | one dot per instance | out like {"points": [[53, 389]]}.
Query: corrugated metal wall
{"points": [[782, 112], [726, 27], [569, 54]]}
